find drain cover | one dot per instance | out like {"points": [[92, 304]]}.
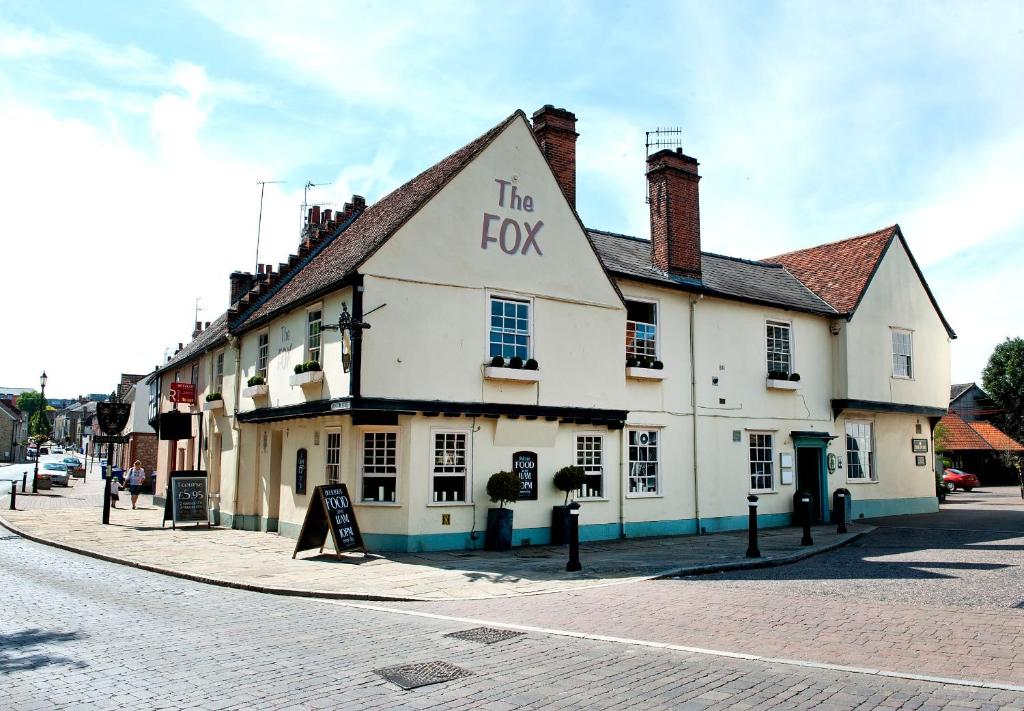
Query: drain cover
{"points": [[485, 635], [9, 538], [410, 676]]}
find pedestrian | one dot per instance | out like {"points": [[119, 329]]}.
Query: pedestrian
{"points": [[115, 486], [136, 475]]}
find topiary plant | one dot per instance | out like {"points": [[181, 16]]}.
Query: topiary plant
{"points": [[503, 487], [311, 366], [214, 396], [497, 362], [299, 368], [569, 479], [256, 380], [794, 377], [515, 362], [531, 364]]}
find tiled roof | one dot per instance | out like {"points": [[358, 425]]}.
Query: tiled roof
{"points": [[839, 272], [998, 439], [728, 277], [960, 435], [10, 409], [212, 336], [349, 249], [956, 391]]}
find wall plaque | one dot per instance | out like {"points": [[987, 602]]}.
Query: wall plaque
{"points": [[524, 465], [921, 460], [920, 446], [300, 471]]}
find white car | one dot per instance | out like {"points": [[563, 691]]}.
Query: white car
{"points": [[58, 473]]}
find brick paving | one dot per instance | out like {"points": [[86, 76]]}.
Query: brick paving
{"points": [[81, 633]]}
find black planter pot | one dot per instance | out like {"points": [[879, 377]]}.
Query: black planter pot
{"points": [[499, 530], [559, 525]]}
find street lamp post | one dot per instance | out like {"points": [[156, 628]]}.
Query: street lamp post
{"points": [[42, 412]]}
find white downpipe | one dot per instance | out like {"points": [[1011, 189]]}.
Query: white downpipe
{"points": [[234, 343], [693, 408]]}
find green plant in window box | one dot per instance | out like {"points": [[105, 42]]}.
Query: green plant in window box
{"points": [[256, 380], [497, 362], [502, 488], [658, 365], [299, 368], [632, 362], [515, 362], [214, 396], [794, 377], [778, 375], [531, 364], [311, 366]]}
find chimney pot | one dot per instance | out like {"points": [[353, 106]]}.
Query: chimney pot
{"points": [[327, 216], [314, 216], [555, 130], [241, 282], [675, 212], [358, 201], [206, 325]]}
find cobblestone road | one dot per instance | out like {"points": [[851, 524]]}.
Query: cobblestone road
{"points": [[82, 633]]}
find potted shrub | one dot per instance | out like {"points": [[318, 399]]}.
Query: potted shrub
{"points": [[567, 479], [502, 488], [214, 396], [299, 368], [497, 362], [794, 377], [531, 364], [311, 366], [256, 380], [515, 362]]}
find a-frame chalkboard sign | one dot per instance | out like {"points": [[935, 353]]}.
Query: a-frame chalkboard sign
{"points": [[330, 510], [187, 500]]}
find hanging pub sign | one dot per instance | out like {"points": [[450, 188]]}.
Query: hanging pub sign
{"points": [[183, 393], [524, 465], [919, 446], [300, 471], [187, 500], [175, 425], [331, 512], [112, 416]]}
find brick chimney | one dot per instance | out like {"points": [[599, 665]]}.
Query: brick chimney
{"points": [[198, 329], [241, 282], [556, 131], [675, 212]]}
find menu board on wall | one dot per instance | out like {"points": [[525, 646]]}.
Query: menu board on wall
{"points": [[524, 465]]}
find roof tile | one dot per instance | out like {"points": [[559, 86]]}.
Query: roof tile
{"points": [[961, 436], [998, 439]]}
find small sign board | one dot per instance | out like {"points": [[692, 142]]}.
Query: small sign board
{"points": [[300, 471], [524, 465], [330, 511], [920, 446], [110, 439], [921, 460], [186, 503], [183, 393]]}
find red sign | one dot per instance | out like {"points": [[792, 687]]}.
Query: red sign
{"points": [[183, 393]]}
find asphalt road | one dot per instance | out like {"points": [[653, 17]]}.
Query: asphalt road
{"points": [[81, 633]]}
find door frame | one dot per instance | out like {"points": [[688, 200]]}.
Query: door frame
{"points": [[821, 445]]}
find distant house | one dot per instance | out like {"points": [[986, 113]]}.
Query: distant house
{"points": [[10, 432], [978, 447], [971, 402]]}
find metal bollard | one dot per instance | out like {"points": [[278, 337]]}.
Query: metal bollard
{"points": [[574, 538], [24, 481], [14, 494], [752, 550], [841, 528], [806, 540]]}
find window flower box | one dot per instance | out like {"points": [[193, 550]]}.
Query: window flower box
{"points": [[492, 372], [640, 373], [211, 405], [255, 391], [777, 384], [308, 377]]}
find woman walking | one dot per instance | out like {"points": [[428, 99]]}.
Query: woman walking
{"points": [[136, 475]]}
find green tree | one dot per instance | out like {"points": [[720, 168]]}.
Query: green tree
{"points": [[39, 425], [1003, 380], [29, 402]]}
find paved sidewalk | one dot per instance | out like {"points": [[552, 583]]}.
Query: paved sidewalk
{"points": [[263, 562]]}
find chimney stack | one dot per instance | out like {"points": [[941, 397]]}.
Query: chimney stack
{"points": [[556, 132], [241, 282], [198, 329], [675, 212]]}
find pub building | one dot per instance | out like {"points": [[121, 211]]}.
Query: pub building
{"points": [[470, 322]]}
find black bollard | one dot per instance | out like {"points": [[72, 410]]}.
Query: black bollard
{"points": [[574, 538], [24, 481], [841, 528], [806, 540], [752, 550], [14, 494]]}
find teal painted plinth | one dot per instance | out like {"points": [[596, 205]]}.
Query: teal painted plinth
{"points": [[677, 527], [740, 523], [875, 508], [242, 522], [288, 530]]}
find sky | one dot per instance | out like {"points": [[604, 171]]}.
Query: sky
{"points": [[134, 134]]}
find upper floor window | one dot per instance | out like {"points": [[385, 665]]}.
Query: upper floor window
{"points": [[218, 373], [860, 455], [510, 328], [313, 320], [762, 460], [195, 375], [902, 353], [641, 329], [779, 338], [451, 465], [262, 355]]}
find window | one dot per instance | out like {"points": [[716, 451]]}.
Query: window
{"points": [[510, 328], [643, 461], [902, 353], [641, 329], [590, 456], [780, 347], [762, 458], [218, 373], [380, 466], [195, 375], [451, 466], [333, 458], [262, 354], [313, 320], [860, 456]]}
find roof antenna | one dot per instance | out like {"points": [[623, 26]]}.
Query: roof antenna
{"points": [[199, 308], [259, 223], [660, 139], [305, 200]]}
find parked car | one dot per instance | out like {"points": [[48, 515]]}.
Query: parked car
{"points": [[58, 472], [74, 465], [957, 479], [58, 450], [44, 450]]}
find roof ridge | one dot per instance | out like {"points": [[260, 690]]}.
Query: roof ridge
{"points": [[631, 238], [890, 229]]}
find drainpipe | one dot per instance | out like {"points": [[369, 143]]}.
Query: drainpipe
{"points": [[355, 377], [237, 346], [622, 489], [693, 408]]}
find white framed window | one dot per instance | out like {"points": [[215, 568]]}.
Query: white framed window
{"points": [[590, 456], [902, 353], [762, 461], [644, 462], [195, 374], [779, 347], [510, 328], [332, 456], [314, 317], [379, 466], [451, 465], [263, 355], [218, 373], [641, 329], [860, 454]]}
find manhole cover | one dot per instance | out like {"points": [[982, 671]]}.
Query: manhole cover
{"points": [[9, 538], [410, 676], [485, 635]]}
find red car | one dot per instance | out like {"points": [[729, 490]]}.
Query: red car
{"points": [[956, 479]]}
